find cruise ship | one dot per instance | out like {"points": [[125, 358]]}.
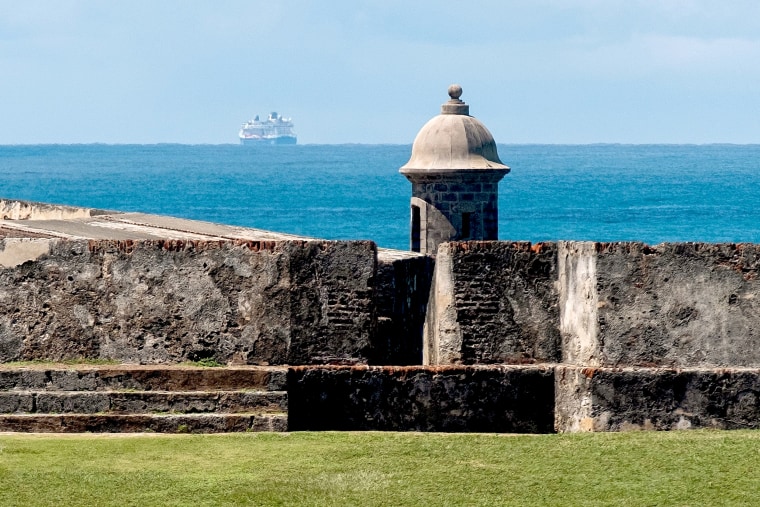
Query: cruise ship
{"points": [[273, 130]]}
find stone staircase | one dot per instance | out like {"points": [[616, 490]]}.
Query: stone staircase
{"points": [[133, 398]]}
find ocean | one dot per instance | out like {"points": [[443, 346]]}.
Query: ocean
{"points": [[606, 192]]}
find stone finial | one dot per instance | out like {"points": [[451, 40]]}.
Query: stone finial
{"points": [[455, 91], [454, 105]]}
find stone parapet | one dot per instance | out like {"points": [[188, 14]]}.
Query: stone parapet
{"points": [[168, 301], [675, 305], [518, 337], [11, 209], [493, 302]]}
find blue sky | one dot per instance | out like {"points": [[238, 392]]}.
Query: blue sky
{"points": [[537, 71]]}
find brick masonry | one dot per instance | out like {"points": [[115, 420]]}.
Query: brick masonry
{"points": [[494, 302], [455, 206]]}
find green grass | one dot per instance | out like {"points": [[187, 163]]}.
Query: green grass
{"points": [[367, 469], [208, 362]]}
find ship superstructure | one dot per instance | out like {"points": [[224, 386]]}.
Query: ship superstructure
{"points": [[274, 130]]}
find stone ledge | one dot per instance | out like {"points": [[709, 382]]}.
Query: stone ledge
{"points": [[186, 423], [142, 402], [621, 399], [48, 377]]}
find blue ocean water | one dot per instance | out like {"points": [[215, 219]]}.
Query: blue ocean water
{"points": [[649, 193]]}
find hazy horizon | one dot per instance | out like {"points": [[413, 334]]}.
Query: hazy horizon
{"points": [[409, 144]]}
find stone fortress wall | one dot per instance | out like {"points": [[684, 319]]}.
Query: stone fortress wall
{"points": [[486, 336], [638, 336], [588, 336], [461, 334], [206, 291], [153, 302]]}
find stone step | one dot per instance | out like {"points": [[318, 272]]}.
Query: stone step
{"points": [[47, 377], [142, 402], [138, 423]]}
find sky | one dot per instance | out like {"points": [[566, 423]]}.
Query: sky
{"points": [[354, 71]]}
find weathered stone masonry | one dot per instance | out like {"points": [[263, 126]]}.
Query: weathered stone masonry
{"points": [[688, 305], [453, 398], [678, 305], [570, 336], [245, 302], [662, 337], [494, 302]]}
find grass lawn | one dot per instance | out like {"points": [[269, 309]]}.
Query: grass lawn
{"points": [[366, 469]]}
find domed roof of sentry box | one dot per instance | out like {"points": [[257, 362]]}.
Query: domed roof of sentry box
{"points": [[453, 141]]}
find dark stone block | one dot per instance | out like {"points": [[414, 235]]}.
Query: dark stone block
{"points": [[401, 299], [456, 399], [332, 314], [683, 305], [11, 402], [615, 399]]}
